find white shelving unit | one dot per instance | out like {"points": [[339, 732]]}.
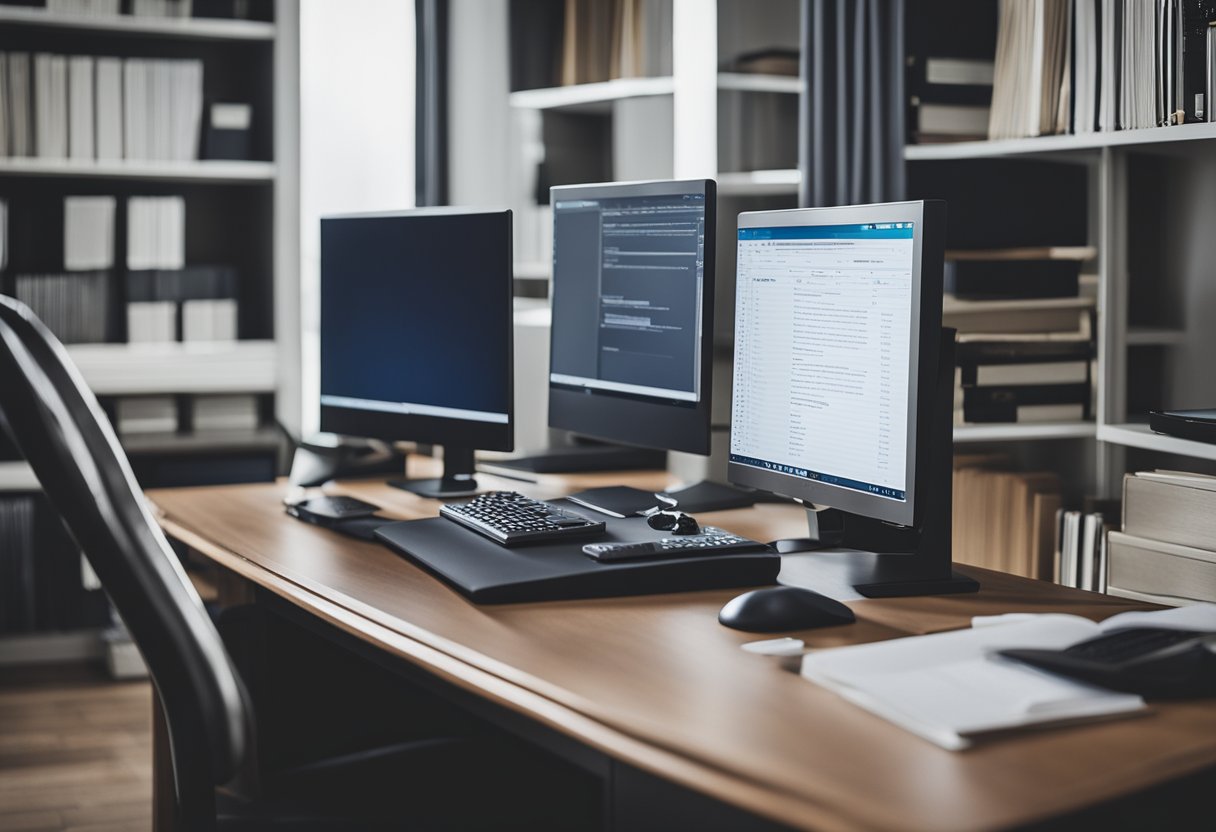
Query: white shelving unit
{"points": [[187, 28]]}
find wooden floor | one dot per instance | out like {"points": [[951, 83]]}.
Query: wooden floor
{"points": [[75, 751]]}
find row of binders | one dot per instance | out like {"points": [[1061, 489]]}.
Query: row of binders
{"points": [[193, 304], [1080, 66], [1072, 66], [82, 107], [1003, 519]]}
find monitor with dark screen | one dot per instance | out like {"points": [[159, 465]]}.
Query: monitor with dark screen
{"points": [[416, 333]]}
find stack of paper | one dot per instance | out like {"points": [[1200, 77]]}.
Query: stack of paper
{"points": [[225, 413], [950, 688], [151, 322], [156, 232], [209, 320], [147, 414], [88, 232]]}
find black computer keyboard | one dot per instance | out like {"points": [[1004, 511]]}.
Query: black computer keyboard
{"points": [[511, 519], [710, 541], [1125, 645]]}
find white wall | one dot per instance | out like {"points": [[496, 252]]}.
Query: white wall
{"points": [[356, 134]]}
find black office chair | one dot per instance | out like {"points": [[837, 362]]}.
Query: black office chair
{"points": [[66, 438]]}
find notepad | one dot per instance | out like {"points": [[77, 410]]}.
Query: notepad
{"points": [[950, 688]]}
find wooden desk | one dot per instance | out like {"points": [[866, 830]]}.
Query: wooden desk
{"points": [[656, 682]]}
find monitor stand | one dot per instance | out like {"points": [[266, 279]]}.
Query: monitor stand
{"points": [[897, 561], [457, 479]]}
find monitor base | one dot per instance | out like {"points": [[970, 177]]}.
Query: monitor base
{"points": [[457, 479], [875, 575], [439, 489]]}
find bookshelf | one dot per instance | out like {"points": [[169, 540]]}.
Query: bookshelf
{"points": [[241, 213]]}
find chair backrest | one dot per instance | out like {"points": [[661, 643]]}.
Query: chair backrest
{"points": [[67, 440]]}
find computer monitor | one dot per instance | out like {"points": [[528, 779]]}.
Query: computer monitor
{"points": [[843, 381], [416, 333], [633, 296]]}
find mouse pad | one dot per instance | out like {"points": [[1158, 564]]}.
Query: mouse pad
{"points": [[492, 574]]}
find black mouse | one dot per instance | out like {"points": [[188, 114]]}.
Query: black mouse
{"points": [[783, 608]]}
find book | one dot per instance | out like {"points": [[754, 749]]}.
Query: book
{"points": [[74, 306], [156, 232], [109, 109], [949, 688], [225, 413], [960, 121], [151, 322], [20, 102], [1170, 507], [81, 116], [1157, 572], [51, 106], [146, 414]]}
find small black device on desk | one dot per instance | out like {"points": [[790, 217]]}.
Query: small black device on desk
{"points": [[347, 515], [709, 541], [1156, 662], [511, 519]]}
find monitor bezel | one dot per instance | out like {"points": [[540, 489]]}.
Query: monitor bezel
{"points": [[636, 420], [928, 218], [441, 430]]}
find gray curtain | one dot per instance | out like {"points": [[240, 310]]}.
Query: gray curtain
{"points": [[853, 102], [430, 102]]}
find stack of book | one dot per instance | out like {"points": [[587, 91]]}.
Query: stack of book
{"points": [[952, 100], [88, 8], [75, 306], [145, 414], [1004, 520], [1080, 552], [81, 107], [1080, 66], [205, 295], [162, 8], [1166, 552], [226, 413]]}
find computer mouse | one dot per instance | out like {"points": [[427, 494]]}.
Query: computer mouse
{"points": [[781, 608]]}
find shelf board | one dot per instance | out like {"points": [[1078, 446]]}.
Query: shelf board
{"points": [[1139, 436], [1155, 337], [1061, 144], [759, 182], [591, 96], [747, 82], [210, 171], [191, 28], [538, 270], [1014, 432], [202, 442], [17, 475], [132, 369]]}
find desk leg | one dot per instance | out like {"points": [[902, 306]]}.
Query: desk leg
{"points": [[163, 797]]}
